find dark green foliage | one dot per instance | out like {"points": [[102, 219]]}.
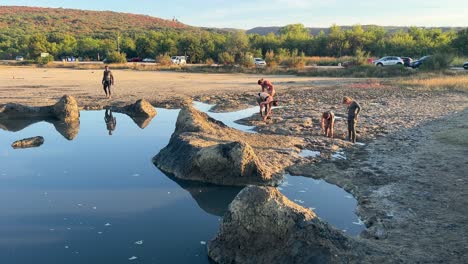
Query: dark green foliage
{"points": [[438, 62], [116, 57]]}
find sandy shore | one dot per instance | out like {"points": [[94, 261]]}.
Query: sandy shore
{"points": [[410, 178]]}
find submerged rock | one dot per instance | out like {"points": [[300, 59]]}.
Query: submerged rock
{"points": [[263, 226], [28, 143], [206, 150]]}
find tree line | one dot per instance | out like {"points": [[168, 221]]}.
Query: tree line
{"points": [[232, 47]]}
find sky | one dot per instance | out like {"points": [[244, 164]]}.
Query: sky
{"points": [[246, 14]]}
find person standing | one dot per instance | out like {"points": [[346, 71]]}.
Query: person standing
{"points": [[353, 112], [107, 81]]}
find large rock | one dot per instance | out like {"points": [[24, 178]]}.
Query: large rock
{"points": [[66, 109], [28, 143], [263, 226], [141, 112], [206, 150]]}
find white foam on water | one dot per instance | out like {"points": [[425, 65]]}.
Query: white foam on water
{"points": [[139, 242], [132, 258], [203, 242], [309, 153]]}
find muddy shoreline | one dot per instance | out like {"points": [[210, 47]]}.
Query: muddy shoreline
{"points": [[409, 179]]}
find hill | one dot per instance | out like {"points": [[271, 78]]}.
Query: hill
{"points": [[83, 22], [316, 30]]}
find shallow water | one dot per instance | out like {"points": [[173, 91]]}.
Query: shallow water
{"points": [[229, 118], [99, 199]]}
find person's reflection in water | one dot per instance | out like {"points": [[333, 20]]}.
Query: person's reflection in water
{"points": [[111, 122]]}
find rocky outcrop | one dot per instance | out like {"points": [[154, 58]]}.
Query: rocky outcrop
{"points": [[263, 226], [28, 143], [64, 115], [141, 112], [204, 149], [66, 109]]}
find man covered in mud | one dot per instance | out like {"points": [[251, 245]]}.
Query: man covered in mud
{"points": [[110, 120], [327, 123], [267, 86], [107, 81], [353, 112], [265, 101]]}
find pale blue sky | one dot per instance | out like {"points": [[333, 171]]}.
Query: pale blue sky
{"points": [[246, 14]]}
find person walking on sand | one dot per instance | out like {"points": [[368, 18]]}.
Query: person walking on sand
{"points": [[107, 81], [265, 100], [267, 86], [327, 123], [353, 112], [111, 121]]}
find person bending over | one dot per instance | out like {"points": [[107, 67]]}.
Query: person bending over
{"points": [[267, 86], [327, 123], [265, 101]]}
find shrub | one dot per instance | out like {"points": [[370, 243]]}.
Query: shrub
{"points": [[209, 61], [163, 59], [437, 62], [247, 60], [116, 57], [226, 58], [44, 60]]}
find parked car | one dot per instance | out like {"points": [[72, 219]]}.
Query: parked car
{"points": [[389, 60], [135, 59], [19, 58], [465, 65], [179, 60], [259, 62], [415, 64], [407, 61], [148, 60]]}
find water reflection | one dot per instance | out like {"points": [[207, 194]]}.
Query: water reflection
{"points": [[111, 121], [68, 130], [213, 199]]}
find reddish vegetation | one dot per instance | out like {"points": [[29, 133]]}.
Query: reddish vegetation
{"points": [[79, 21]]}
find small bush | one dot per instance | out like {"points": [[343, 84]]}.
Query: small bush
{"points": [[226, 58], [44, 60], [209, 61], [247, 60], [163, 59], [438, 62], [116, 57]]}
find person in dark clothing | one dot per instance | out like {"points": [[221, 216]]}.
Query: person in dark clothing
{"points": [[110, 120], [353, 112], [327, 123], [107, 81]]}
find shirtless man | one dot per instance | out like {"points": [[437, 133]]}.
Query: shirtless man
{"points": [[268, 86], [110, 120], [264, 100], [107, 81], [353, 112], [327, 123]]}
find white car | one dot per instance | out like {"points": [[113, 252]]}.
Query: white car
{"points": [[19, 58], [389, 60], [180, 60], [148, 60], [259, 62]]}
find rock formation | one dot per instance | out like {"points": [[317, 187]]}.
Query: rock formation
{"points": [[28, 143], [141, 112], [263, 226], [64, 115], [204, 149]]}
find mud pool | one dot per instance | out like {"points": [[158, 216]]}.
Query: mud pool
{"points": [[99, 199]]}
